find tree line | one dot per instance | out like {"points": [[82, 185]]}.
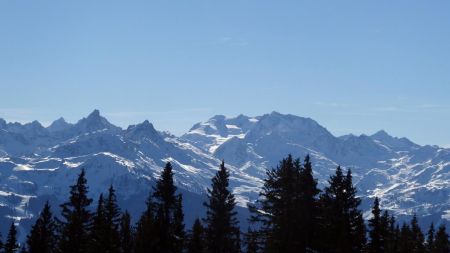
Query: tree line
{"points": [[291, 215]]}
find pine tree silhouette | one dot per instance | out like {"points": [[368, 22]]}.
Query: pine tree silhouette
{"points": [[76, 218], [441, 242], [343, 228], [376, 232], [126, 234], [112, 218], [196, 240], [178, 226], [417, 237], [252, 244], [42, 237], [393, 235], [169, 213], [11, 245], [287, 209], [222, 229], [289, 218], [147, 236], [98, 233], [429, 244], [405, 239], [307, 206]]}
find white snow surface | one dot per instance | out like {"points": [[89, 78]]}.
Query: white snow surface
{"points": [[36, 161]]}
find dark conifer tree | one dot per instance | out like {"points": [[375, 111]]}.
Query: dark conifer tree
{"points": [[376, 232], [405, 239], [441, 242], [429, 244], [252, 244], [417, 237], [42, 237], [105, 228], [178, 226], [385, 230], [112, 218], [11, 245], [307, 206], [76, 218], [169, 213], [397, 235], [147, 237], [98, 236], [196, 240], [287, 208], [126, 234], [221, 223], [343, 228], [393, 236]]}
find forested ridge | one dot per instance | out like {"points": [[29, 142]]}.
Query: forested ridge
{"points": [[291, 215]]}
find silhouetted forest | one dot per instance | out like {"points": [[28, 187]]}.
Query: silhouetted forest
{"points": [[291, 215]]}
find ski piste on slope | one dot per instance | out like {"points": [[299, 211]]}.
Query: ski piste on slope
{"points": [[40, 163]]}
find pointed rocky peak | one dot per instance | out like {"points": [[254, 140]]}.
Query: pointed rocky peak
{"points": [[380, 135], [145, 126], [34, 128], [275, 114], [34, 124], [59, 121], [95, 122], [58, 125], [94, 115], [142, 130], [393, 142], [241, 116]]}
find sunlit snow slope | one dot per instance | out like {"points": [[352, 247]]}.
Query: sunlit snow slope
{"points": [[39, 163]]}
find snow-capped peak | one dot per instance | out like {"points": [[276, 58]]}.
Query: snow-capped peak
{"points": [[142, 130], [212, 133], [398, 144], [37, 161]]}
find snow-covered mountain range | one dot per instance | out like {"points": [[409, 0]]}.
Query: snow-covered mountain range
{"points": [[39, 163], [409, 178]]}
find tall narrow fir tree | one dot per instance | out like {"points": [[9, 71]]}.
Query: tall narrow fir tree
{"points": [[222, 230], [76, 218]]}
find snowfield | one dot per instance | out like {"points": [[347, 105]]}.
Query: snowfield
{"points": [[39, 163]]}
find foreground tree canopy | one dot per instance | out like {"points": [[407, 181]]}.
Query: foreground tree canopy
{"points": [[291, 215]]}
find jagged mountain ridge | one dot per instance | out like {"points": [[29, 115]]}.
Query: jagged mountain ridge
{"points": [[409, 178], [41, 162], [42, 165]]}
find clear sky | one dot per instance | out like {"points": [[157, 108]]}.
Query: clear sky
{"points": [[354, 66]]}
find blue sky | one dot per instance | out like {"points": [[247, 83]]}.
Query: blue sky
{"points": [[354, 66]]}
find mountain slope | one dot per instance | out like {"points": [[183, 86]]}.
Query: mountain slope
{"points": [[409, 178], [129, 159], [39, 163]]}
